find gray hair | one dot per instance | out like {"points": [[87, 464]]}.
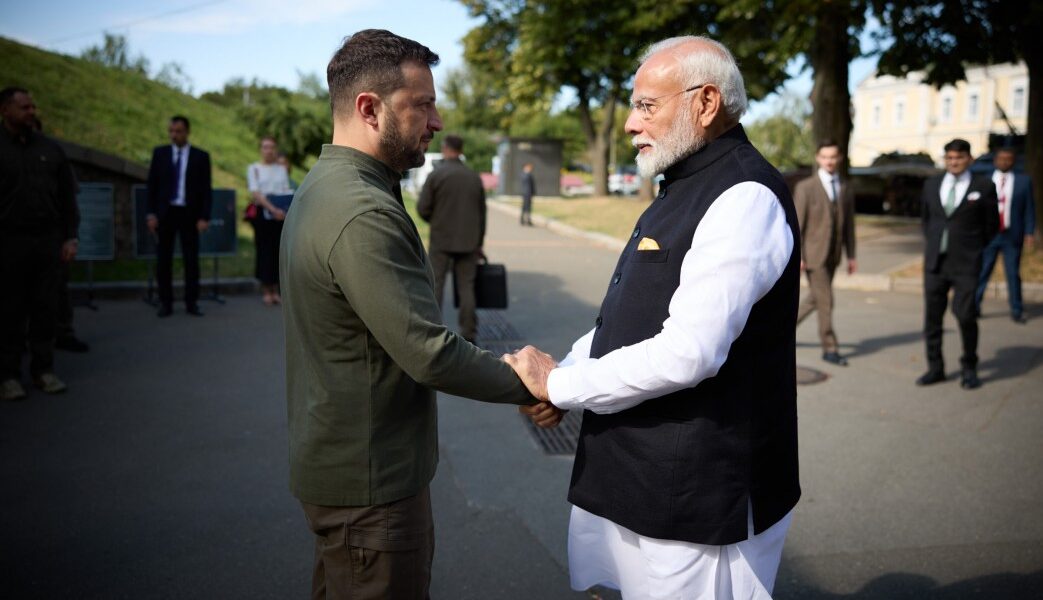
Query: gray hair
{"points": [[698, 68]]}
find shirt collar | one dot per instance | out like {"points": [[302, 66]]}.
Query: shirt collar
{"points": [[363, 161], [962, 178]]}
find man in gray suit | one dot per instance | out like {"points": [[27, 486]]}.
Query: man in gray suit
{"points": [[826, 213], [453, 202]]}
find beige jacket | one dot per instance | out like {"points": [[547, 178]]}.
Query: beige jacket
{"points": [[820, 224]]}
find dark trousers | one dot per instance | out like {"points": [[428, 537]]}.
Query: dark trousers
{"points": [[1011, 270], [63, 316], [373, 552], [820, 298], [267, 233], [29, 268], [936, 297], [465, 269], [177, 223], [526, 210]]}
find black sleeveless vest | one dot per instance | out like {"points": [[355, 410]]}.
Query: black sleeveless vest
{"points": [[685, 466]]}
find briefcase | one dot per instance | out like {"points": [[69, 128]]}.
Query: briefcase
{"points": [[490, 287]]}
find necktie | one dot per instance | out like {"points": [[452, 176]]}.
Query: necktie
{"points": [[950, 206], [1003, 201], [836, 189], [176, 179]]}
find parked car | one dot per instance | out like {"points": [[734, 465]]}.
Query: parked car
{"points": [[625, 182]]}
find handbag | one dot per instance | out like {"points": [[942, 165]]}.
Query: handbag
{"points": [[251, 213]]}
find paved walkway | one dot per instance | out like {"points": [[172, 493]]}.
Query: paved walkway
{"points": [[162, 473]]}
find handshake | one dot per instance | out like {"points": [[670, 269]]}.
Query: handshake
{"points": [[533, 368]]}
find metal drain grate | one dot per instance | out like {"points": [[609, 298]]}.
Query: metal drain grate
{"points": [[560, 440], [492, 325], [807, 376]]}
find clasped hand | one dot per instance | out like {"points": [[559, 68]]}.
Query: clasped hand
{"points": [[533, 368]]}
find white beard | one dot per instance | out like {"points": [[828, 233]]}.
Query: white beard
{"points": [[680, 141]]}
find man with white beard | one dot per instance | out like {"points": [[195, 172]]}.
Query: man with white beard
{"points": [[686, 472]]}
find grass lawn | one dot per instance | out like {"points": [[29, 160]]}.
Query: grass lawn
{"points": [[612, 215]]}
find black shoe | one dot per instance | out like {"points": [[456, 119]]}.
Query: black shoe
{"points": [[835, 358], [164, 311], [1019, 319], [969, 379], [931, 377], [71, 343], [194, 311]]}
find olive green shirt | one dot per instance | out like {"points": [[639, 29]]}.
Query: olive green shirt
{"points": [[365, 344]]}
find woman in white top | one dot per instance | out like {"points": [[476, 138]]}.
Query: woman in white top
{"points": [[268, 178]]}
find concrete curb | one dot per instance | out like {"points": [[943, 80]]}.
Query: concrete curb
{"points": [[864, 282]]}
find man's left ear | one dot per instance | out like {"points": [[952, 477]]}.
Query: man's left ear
{"points": [[709, 104]]}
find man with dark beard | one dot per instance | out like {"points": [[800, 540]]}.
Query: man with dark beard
{"points": [[685, 476], [365, 345]]}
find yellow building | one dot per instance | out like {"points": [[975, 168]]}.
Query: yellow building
{"points": [[904, 115]]}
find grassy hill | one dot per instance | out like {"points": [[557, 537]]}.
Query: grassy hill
{"points": [[121, 112], [126, 114]]}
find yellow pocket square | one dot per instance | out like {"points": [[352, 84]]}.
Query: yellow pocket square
{"points": [[647, 244]]}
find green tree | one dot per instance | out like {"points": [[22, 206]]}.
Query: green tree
{"points": [[825, 34], [784, 137], [299, 122], [941, 37], [533, 49], [173, 75], [114, 52]]}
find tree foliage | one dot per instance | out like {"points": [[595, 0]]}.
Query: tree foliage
{"points": [[784, 137], [530, 50], [299, 122], [173, 75], [115, 52]]}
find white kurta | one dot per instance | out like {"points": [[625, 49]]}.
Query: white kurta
{"points": [[738, 252]]}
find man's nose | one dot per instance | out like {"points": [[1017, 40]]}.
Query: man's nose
{"points": [[633, 123]]}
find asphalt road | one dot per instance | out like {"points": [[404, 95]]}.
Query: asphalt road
{"points": [[162, 472]]}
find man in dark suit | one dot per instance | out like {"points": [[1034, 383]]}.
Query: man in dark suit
{"points": [[179, 196], [453, 202], [959, 219], [826, 212], [1017, 214]]}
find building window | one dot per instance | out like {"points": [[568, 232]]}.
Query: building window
{"points": [[946, 109], [1017, 105], [972, 107], [899, 112], [876, 115]]}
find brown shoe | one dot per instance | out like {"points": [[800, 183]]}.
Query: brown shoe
{"points": [[49, 383]]}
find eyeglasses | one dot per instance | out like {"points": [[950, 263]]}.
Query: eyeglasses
{"points": [[647, 106]]}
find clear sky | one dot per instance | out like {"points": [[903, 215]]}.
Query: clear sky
{"points": [[216, 40]]}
